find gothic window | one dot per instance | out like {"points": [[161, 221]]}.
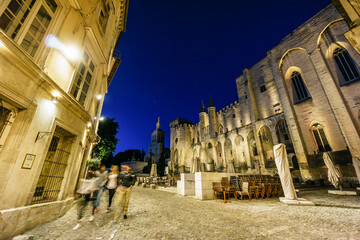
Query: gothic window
{"points": [[320, 138], [261, 83], [83, 79], [300, 92], [347, 67], [221, 129], [104, 15], [18, 11]]}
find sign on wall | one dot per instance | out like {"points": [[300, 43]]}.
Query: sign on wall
{"points": [[28, 161]]}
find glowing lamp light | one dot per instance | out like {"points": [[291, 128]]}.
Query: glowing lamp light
{"points": [[2, 44], [101, 118], [89, 124], [55, 96], [98, 97], [70, 52]]}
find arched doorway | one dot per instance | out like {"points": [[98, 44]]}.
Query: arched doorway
{"points": [[283, 135], [267, 146], [240, 164], [210, 161], [229, 154], [254, 155], [219, 166]]}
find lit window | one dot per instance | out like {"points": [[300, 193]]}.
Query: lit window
{"points": [[261, 83], [346, 65], [18, 11], [36, 32], [14, 16], [300, 92], [82, 79], [104, 15], [320, 138]]}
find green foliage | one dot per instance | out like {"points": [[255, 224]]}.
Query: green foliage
{"points": [[161, 165], [128, 155], [93, 163], [105, 149], [147, 168]]}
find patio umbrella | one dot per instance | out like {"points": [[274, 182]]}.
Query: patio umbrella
{"points": [[356, 163], [333, 173], [153, 172], [230, 167], [282, 165]]}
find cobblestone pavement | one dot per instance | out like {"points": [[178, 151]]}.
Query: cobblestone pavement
{"points": [[156, 214]]}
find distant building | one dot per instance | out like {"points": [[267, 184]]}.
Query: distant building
{"points": [[157, 146], [57, 60], [304, 93]]}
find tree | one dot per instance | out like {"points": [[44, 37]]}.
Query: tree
{"points": [[104, 150], [161, 165]]}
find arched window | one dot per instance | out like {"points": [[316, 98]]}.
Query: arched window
{"points": [[300, 92], [320, 138], [221, 129], [346, 65]]}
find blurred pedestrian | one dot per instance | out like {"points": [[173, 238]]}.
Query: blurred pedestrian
{"points": [[112, 183], [126, 181], [88, 189], [102, 175]]}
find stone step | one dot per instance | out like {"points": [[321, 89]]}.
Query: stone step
{"points": [[338, 192]]}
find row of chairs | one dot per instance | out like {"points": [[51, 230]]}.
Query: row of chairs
{"points": [[160, 181], [247, 186]]}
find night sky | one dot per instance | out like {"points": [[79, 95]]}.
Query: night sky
{"points": [[176, 53]]}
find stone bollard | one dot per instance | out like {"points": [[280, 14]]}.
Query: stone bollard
{"points": [[153, 186], [143, 185]]}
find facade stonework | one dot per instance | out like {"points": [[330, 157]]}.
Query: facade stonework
{"points": [[304, 93], [157, 148], [57, 61]]}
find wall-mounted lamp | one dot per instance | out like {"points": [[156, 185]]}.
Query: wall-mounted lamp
{"points": [[70, 52], [55, 97], [101, 118], [89, 124], [98, 97]]}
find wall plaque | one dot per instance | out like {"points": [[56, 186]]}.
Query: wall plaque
{"points": [[28, 161]]}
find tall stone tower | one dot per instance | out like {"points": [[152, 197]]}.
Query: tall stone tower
{"points": [[157, 144], [202, 118], [213, 126]]}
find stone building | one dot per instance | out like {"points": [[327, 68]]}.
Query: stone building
{"points": [[57, 59], [304, 93], [157, 145]]}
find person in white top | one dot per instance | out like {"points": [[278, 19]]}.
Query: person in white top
{"points": [[112, 183]]}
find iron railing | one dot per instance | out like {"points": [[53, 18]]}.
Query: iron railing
{"points": [[53, 170]]}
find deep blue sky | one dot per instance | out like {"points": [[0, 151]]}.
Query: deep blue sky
{"points": [[176, 53]]}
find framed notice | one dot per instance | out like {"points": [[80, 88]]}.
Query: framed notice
{"points": [[28, 161]]}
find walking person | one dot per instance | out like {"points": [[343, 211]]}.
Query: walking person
{"points": [[126, 180], [88, 189], [112, 183], [102, 175]]}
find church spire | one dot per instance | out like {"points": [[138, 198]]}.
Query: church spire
{"points": [[158, 123], [202, 108], [211, 102]]}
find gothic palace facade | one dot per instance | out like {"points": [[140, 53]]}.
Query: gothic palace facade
{"points": [[305, 93]]}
